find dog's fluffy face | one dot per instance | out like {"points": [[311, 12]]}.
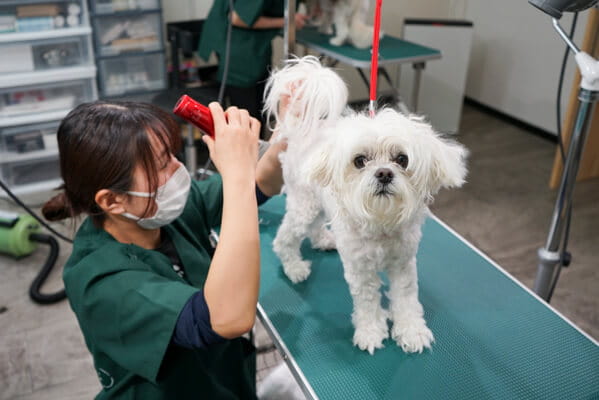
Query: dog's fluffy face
{"points": [[383, 170]]}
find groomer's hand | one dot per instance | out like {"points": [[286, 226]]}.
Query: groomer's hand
{"points": [[300, 20], [235, 150]]}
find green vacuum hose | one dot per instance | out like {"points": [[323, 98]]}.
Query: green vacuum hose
{"points": [[19, 237]]}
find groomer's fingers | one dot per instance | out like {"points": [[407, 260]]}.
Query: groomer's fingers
{"points": [[255, 126], [218, 115], [233, 115], [244, 117], [209, 143]]}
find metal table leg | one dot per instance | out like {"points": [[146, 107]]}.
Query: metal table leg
{"points": [[418, 67]]}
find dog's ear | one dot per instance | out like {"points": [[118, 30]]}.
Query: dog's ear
{"points": [[447, 162]]}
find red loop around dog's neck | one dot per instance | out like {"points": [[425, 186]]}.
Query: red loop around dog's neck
{"points": [[374, 63]]}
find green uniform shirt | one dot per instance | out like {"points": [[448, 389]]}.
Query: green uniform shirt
{"points": [[127, 300], [251, 50]]}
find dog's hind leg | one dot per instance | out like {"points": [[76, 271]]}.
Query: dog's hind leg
{"points": [[299, 216], [409, 327], [320, 236]]}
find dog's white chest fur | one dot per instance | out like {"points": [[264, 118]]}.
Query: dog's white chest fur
{"points": [[375, 249]]}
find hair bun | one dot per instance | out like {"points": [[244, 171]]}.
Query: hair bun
{"points": [[58, 208]]}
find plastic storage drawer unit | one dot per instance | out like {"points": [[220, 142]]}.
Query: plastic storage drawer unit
{"points": [[111, 6], [44, 54], [23, 100], [123, 33], [28, 16], [28, 141], [135, 73], [29, 172]]}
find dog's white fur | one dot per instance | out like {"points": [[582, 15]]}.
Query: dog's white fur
{"points": [[375, 178], [317, 99], [349, 18]]}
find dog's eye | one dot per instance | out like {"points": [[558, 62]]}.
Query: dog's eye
{"points": [[402, 160], [360, 161]]}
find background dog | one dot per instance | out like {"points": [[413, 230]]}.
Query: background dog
{"points": [[348, 17]]}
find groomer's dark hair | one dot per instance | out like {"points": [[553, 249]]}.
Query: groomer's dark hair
{"points": [[100, 144]]}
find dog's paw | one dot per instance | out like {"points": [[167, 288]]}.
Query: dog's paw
{"points": [[337, 41], [413, 337], [325, 240], [370, 338], [297, 271]]}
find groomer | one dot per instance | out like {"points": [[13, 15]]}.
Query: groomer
{"points": [[255, 25]]}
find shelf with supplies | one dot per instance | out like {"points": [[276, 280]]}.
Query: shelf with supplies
{"points": [[24, 101], [42, 77], [55, 33], [31, 172], [115, 6], [47, 69], [129, 46], [37, 17], [28, 142], [132, 73]]}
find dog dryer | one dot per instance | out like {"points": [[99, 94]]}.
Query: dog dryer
{"points": [[196, 113]]}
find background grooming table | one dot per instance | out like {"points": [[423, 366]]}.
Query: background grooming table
{"points": [[392, 51], [494, 338]]}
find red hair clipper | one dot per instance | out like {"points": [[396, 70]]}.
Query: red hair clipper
{"points": [[196, 113]]}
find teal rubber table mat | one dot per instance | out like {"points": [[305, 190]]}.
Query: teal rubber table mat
{"points": [[391, 50], [493, 338]]}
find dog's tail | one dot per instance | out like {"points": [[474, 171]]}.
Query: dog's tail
{"points": [[316, 96]]}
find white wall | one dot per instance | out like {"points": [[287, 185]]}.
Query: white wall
{"points": [[516, 58]]}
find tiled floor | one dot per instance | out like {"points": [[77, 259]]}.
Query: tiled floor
{"points": [[504, 210]]}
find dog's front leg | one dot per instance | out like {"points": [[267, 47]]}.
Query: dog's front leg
{"points": [[295, 226], [341, 28], [409, 327], [368, 317]]}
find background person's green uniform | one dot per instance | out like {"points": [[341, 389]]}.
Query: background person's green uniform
{"points": [[250, 51], [127, 300]]}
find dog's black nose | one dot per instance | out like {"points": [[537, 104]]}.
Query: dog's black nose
{"points": [[384, 175]]}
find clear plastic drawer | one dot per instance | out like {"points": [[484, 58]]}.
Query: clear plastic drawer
{"points": [[28, 100], [31, 171], [111, 6], [126, 33], [25, 16], [43, 55], [28, 141], [134, 73]]}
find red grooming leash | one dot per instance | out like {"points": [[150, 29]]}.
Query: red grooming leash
{"points": [[374, 63]]}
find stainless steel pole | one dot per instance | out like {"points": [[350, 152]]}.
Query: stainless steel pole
{"points": [[289, 35]]}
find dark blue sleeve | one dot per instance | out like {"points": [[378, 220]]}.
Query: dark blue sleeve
{"points": [[193, 329], [260, 197]]}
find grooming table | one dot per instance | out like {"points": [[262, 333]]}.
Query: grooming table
{"points": [[392, 51], [494, 338]]}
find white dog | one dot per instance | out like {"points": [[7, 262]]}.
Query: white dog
{"points": [[376, 177], [349, 18]]}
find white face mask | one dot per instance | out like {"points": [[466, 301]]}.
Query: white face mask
{"points": [[170, 200]]}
